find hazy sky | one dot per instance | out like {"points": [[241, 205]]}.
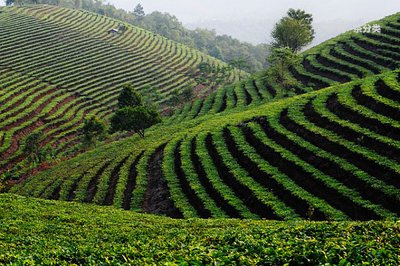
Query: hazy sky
{"points": [[323, 10], [252, 20]]}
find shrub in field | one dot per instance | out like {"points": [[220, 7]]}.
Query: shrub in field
{"points": [[135, 119], [187, 94], [93, 129], [35, 154], [132, 115], [281, 60]]}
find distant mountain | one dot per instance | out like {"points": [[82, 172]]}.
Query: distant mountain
{"points": [[258, 31], [254, 31]]}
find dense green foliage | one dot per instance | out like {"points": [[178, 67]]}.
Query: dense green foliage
{"points": [[3, 182], [33, 150], [45, 232], [138, 12], [132, 114], [294, 30], [129, 97], [281, 60], [32, 147], [301, 15], [291, 33], [134, 119]]}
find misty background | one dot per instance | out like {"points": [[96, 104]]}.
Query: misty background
{"points": [[252, 20]]}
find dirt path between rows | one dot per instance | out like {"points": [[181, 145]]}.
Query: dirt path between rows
{"points": [[157, 199]]}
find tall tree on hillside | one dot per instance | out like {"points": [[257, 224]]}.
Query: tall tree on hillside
{"points": [[301, 15], [135, 119], [187, 94], [139, 12], [129, 97], [292, 33], [32, 147]]}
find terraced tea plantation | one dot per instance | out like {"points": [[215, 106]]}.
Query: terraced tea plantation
{"points": [[310, 160], [349, 56], [326, 155], [58, 66]]}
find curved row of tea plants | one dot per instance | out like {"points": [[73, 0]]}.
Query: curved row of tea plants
{"points": [[332, 154]]}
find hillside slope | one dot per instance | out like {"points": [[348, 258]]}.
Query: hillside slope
{"points": [[58, 233], [349, 56], [325, 155], [59, 65]]}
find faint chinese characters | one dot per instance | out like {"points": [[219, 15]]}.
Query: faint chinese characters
{"points": [[367, 28]]}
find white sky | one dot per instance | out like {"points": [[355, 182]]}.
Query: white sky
{"points": [[323, 10]]}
